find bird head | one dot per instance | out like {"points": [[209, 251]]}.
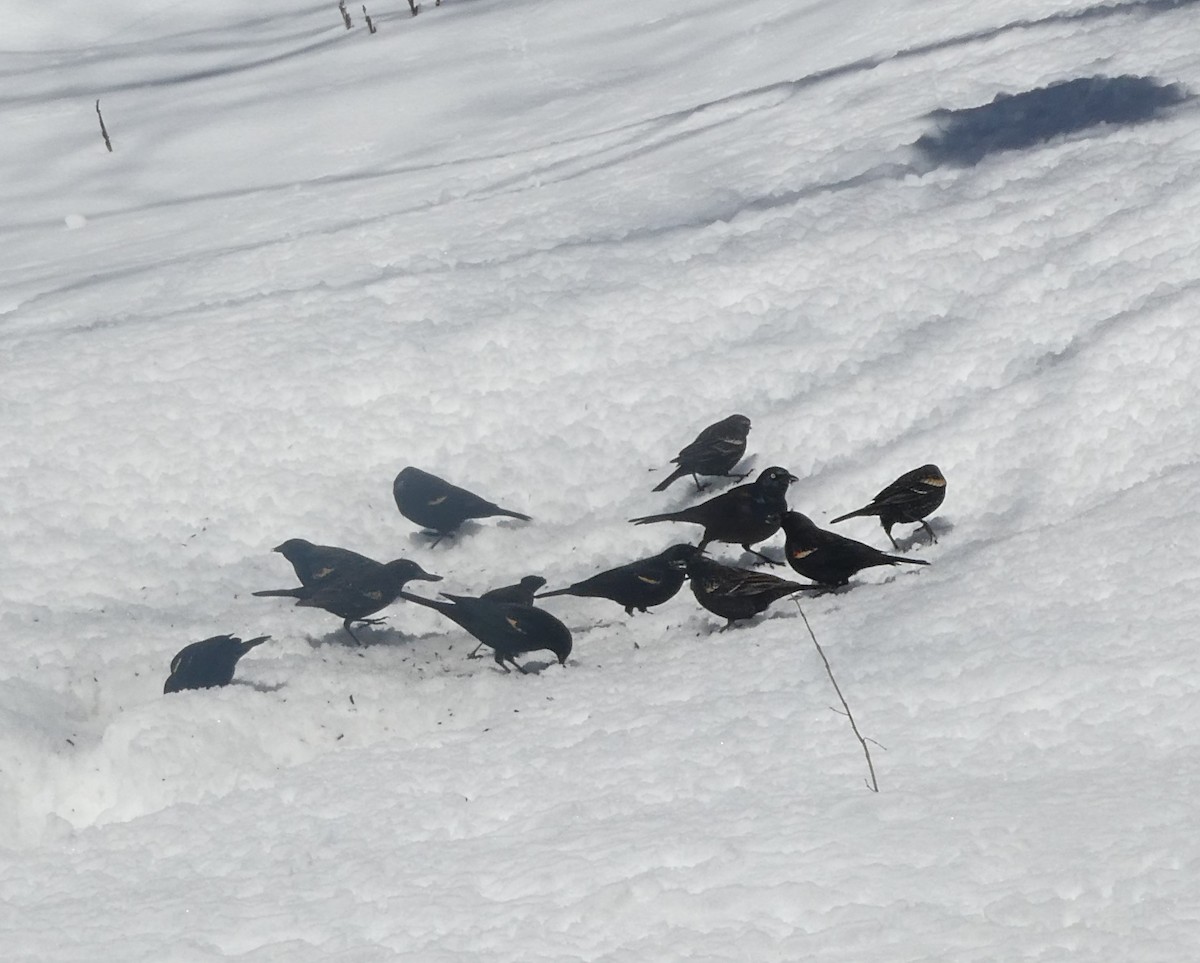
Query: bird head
{"points": [[931, 475], [775, 479], [404, 570], [292, 547], [795, 523], [737, 423], [531, 583], [677, 556]]}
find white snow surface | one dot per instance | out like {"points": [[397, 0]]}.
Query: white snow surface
{"points": [[534, 247]]}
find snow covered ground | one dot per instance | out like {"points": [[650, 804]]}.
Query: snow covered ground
{"points": [[534, 247]]}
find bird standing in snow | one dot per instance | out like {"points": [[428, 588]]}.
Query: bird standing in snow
{"points": [[909, 498], [637, 585], [742, 516], [208, 663], [439, 506], [827, 557], [715, 451], [349, 585]]}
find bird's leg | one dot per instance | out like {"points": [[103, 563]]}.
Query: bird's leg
{"points": [[350, 632], [929, 528], [699, 486], [475, 652], [436, 536], [520, 668]]}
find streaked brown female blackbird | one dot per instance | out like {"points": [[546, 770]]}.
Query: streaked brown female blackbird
{"points": [[508, 628], [523, 593], [715, 451], [827, 557], [742, 516], [736, 593], [354, 587], [203, 665], [439, 506], [638, 585], [909, 498]]}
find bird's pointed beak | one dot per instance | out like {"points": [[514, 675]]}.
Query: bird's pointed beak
{"points": [[793, 478], [428, 577]]}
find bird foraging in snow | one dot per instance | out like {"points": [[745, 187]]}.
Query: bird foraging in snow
{"points": [[910, 498], [439, 506], [714, 452], [736, 593], [509, 629], [827, 557], [208, 663], [742, 516], [346, 584], [637, 585]]}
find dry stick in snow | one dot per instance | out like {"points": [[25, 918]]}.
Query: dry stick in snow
{"points": [[345, 15], [872, 784], [413, 6], [370, 22], [103, 129]]}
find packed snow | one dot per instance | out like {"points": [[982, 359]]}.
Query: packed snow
{"points": [[534, 247]]}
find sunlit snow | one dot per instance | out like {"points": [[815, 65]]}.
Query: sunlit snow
{"points": [[534, 247]]}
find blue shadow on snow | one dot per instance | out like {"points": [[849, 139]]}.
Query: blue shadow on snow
{"points": [[1016, 121]]}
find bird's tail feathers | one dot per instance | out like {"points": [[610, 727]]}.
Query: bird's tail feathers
{"points": [[900, 558], [508, 513], [546, 595], [278, 594], [647, 519], [677, 474], [857, 513]]}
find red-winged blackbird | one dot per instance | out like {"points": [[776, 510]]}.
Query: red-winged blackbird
{"points": [[827, 557], [909, 498], [742, 516], [439, 506], [523, 593], [736, 593], [714, 452], [209, 663], [508, 628], [315, 563], [350, 585], [638, 585]]}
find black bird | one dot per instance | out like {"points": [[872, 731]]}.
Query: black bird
{"points": [[315, 563], [508, 628], [909, 498], [742, 516], [209, 663], [523, 593], [439, 506], [827, 557], [736, 593], [354, 587], [714, 452], [638, 585]]}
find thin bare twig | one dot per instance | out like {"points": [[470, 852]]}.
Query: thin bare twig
{"points": [[345, 16], [103, 129], [872, 783], [370, 22]]}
